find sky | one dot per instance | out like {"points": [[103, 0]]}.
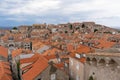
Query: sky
{"points": [[21, 12]]}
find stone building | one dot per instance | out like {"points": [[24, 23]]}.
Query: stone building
{"points": [[76, 67], [102, 66], [39, 26], [38, 68], [98, 66], [27, 45], [23, 28]]}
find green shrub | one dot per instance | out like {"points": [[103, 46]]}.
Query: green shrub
{"points": [[91, 78]]}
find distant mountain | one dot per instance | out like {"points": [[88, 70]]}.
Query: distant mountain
{"points": [[116, 27], [5, 27]]}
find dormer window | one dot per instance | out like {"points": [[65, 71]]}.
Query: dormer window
{"points": [[77, 55]]}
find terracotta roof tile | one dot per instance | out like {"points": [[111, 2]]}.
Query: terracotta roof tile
{"points": [[5, 71], [3, 51], [32, 59], [16, 52], [80, 50], [59, 65], [37, 45], [37, 67], [51, 52], [70, 47], [50, 57], [20, 51], [105, 44], [83, 49]]}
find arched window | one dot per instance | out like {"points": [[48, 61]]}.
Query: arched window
{"points": [[11, 45], [112, 62], [88, 59], [102, 62], [94, 61]]}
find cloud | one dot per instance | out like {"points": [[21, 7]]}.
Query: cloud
{"points": [[57, 11], [28, 7], [99, 8]]}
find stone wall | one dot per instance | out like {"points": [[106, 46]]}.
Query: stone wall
{"points": [[102, 72], [102, 67], [76, 69]]}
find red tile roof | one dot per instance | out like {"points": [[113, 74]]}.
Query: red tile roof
{"points": [[59, 65], [36, 68], [70, 47], [80, 50], [84, 49], [32, 59], [5, 73], [51, 53], [20, 51], [3, 51], [16, 52], [50, 57], [105, 44]]}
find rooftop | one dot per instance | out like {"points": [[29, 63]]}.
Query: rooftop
{"points": [[5, 73], [3, 51], [36, 68]]}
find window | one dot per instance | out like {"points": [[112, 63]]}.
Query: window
{"points": [[39, 79], [71, 62], [77, 67], [53, 76], [66, 65], [59, 60]]}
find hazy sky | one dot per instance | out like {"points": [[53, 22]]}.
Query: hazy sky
{"points": [[18, 12]]}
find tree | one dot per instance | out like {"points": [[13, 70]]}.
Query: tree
{"points": [[50, 32], [70, 26], [66, 31], [118, 31], [95, 30], [15, 28], [91, 78], [73, 31], [83, 25], [18, 68]]}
